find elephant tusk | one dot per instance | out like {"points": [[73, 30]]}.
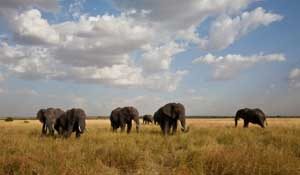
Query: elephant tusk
{"points": [[79, 129]]}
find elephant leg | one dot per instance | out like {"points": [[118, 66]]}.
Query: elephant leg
{"points": [[60, 131], [69, 131], [122, 127], [174, 129], [129, 125], [246, 123], [166, 127], [169, 128]]}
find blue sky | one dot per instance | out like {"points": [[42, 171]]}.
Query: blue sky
{"points": [[214, 57]]}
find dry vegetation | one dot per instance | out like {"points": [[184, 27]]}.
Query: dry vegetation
{"points": [[212, 147]]}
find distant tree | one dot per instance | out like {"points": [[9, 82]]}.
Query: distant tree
{"points": [[9, 119]]}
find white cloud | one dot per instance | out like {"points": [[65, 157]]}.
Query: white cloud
{"points": [[159, 58], [135, 48], [230, 66], [101, 40], [164, 81], [31, 28], [294, 77], [35, 63], [167, 13], [226, 30]]}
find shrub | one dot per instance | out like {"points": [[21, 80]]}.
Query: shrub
{"points": [[9, 119]]}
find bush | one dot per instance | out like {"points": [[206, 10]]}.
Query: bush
{"points": [[9, 119]]}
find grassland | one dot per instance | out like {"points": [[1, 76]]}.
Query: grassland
{"points": [[212, 147]]}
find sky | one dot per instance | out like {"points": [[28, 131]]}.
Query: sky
{"points": [[212, 56]]}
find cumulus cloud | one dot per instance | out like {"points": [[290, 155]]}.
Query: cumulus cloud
{"points": [[100, 40], [230, 66], [134, 48], [226, 30], [35, 63], [30, 28], [159, 58], [294, 78], [174, 15]]}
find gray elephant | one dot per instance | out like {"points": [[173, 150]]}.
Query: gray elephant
{"points": [[168, 116], [48, 118], [120, 117], [72, 121], [255, 116], [147, 119]]}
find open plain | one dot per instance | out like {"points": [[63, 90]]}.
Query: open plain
{"points": [[211, 147]]}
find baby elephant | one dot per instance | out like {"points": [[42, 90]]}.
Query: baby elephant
{"points": [[147, 119], [71, 121], [120, 117], [255, 116]]}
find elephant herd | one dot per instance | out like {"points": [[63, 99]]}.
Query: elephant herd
{"points": [[167, 116], [64, 123]]}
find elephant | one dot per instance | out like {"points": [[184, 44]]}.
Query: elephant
{"points": [[167, 117], [120, 117], [255, 116], [48, 118], [71, 121], [147, 119]]}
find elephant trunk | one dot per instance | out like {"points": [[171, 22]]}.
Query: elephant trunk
{"points": [[236, 121], [184, 128], [81, 126], [137, 122], [49, 125]]}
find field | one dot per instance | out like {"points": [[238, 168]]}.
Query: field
{"points": [[211, 147]]}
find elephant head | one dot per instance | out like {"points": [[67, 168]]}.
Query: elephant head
{"points": [[131, 111], [176, 111], [240, 114], [40, 115], [81, 122]]}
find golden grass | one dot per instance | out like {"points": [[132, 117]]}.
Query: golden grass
{"points": [[212, 147]]}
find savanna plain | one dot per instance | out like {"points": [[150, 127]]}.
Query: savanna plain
{"points": [[211, 147]]}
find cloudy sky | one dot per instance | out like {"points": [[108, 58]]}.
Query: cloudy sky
{"points": [[213, 56]]}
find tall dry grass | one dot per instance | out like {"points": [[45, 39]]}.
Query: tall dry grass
{"points": [[212, 147]]}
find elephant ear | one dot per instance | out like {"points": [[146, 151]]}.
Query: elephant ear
{"points": [[168, 110], [40, 115]]}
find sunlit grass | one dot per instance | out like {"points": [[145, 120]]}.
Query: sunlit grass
{"points": [[211, 147]]}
